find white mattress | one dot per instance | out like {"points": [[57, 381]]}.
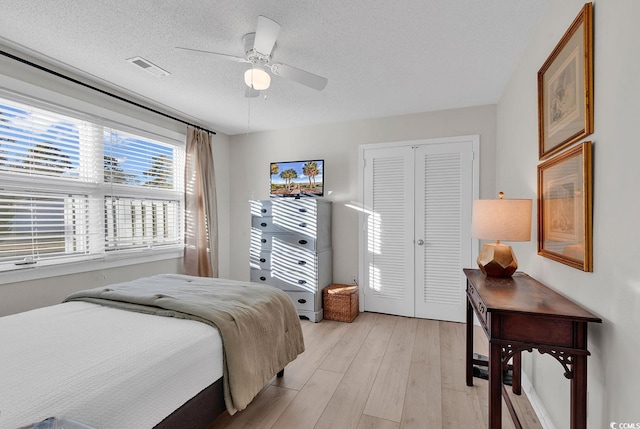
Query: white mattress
{"points": [[104, 367]]}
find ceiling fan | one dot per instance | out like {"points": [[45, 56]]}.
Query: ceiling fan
{"points": [[258, 48]]}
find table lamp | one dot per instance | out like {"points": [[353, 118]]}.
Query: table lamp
{"points": [[500, 219]]}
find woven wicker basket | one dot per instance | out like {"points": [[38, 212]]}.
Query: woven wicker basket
{"points": [[340, 302]]}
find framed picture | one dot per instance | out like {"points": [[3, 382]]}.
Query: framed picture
{"points": [[565, 208], [565, 88]]}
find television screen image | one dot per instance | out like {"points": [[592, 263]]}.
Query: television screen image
{"points": [[297, 179]]}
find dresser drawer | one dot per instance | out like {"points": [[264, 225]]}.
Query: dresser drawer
{"points": [[293, 257], [260, 260], [303, 300], [481, 308], [260, 240], [261, 207], [282, 224], [286, 280], [296, 240]]}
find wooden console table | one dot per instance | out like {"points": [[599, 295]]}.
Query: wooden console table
{"points": [[517, 314]]}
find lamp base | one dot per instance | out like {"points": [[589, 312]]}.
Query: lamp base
{"points": [[497, 260]]}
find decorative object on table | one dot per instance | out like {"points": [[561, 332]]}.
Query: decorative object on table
{"points": [[341, 302], [500, 219], [565, 208], [565, 88]]}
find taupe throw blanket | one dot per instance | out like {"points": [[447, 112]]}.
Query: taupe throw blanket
{"points": [[259, 325]]}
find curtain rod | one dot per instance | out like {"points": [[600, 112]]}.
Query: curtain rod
{"points": [[70, 79]]}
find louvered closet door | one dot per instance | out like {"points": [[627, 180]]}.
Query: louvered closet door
{"points": [[443, 199], [417, 217], [389, 207]]}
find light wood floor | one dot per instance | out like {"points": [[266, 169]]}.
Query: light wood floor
{"points": [[379, 372]]}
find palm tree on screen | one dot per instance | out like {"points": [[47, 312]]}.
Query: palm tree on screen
{"points": [[310, 169]]}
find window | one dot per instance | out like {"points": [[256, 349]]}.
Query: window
{"points": [[73, 188]]}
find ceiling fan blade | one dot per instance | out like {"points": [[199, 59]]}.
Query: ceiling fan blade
{"points": [[267, 31], [217, 54], [304, 77], [251, 93]]}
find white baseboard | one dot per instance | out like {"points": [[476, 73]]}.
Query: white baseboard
{"points": [[536, 404]]}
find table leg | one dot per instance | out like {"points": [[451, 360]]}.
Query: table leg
{"points": [[495, 385], [469, 357], [516, 385], [579, 393]]}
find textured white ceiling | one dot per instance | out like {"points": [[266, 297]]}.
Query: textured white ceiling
{"points": [[381, 57]]}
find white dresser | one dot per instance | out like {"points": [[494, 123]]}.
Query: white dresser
{"points": [[291, 249]]}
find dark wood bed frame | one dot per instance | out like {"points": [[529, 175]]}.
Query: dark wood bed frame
{"points": [[200, 411]]}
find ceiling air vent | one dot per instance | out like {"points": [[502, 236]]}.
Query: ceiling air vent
{"points": [[148, 66]]}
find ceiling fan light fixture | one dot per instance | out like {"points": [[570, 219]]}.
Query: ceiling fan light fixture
{"points": [[257, 78]]}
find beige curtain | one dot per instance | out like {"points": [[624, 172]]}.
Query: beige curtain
{"points": [[201, 229]]}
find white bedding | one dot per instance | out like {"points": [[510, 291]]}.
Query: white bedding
{"points": [[104, 367]]}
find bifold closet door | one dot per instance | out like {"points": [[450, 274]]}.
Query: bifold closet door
{"points": [[389, 204], [417, 203], [443, 200]]}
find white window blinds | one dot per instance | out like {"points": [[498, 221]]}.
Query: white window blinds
{"points": [[72, 188]]}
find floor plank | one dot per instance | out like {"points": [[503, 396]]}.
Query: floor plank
{"points": [[263, 412], [452, 355], [345, 407], [345, 350], [308, 405], [368, 422], [386, 400]]}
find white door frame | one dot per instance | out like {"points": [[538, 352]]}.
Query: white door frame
{"points": [[475, 141]]}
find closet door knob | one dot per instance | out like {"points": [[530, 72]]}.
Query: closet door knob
{"points": [[302, 300], [263, 224], [302, 241], [302, 225], [302, 262], [263, 210], [302, 210], [263, 278], [302, 282], [263, 260], [263, 240]]}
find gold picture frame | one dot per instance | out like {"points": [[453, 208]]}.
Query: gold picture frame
{"points": [[565, 88], [565, 208]]}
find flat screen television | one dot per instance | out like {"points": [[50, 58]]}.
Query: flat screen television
{"points": [[297, 179]]}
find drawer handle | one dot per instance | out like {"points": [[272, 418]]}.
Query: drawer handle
{"points": [[263, 210], [302, 300], [264, 240], [263, 278], [302, 262], [302, 241], [263, 260], [302, 282], [302, 210], [302, 225], [263, 224]]}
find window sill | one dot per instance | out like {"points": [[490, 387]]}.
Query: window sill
{"points": [[109, 261]]}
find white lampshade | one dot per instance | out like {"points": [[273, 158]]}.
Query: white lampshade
{"points": [[257, 78], [508, 220]]}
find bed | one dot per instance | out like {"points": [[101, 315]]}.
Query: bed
{"points": [[106, 359]]}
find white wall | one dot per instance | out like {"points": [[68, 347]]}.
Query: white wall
{"points": [[337, 144], [612, 291], [36, 288]]}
